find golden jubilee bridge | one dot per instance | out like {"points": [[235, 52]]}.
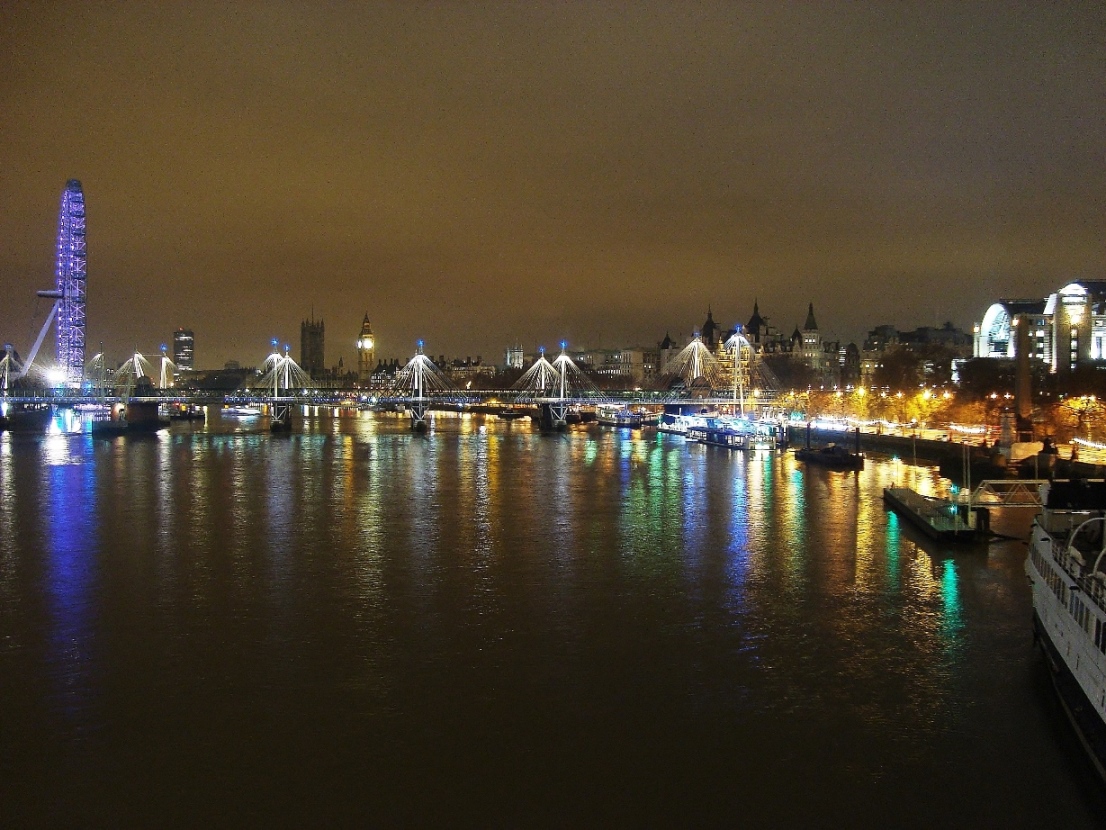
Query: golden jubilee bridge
{"points": [[140, 389], [557, 391]]}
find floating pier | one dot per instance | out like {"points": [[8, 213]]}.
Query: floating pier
{"points": [[940, 519]]}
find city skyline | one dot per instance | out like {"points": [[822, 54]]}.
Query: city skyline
{"points": [[481, 176]]}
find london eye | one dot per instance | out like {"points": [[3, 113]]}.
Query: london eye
{"points": [[72, 265]]}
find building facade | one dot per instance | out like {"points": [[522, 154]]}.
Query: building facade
{"points": [[463, 371], [1064, 330], [514, 357], [312, 341], [937, 347], [184, 350], [813, 354]]}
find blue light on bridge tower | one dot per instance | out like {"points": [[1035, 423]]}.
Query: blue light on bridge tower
{"points": [[71, 274]]}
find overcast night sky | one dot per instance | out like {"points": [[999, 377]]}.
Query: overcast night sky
{"points": [[481, 174]]}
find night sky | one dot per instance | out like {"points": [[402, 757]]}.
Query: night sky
{"points": [[482, 174]]}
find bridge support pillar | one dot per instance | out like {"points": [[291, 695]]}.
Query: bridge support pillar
{"points": [[558, 415], [418, 408], [280, 416], [553, 415]]}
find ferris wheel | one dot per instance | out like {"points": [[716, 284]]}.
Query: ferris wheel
{"points": [[71, 274], [68, 294]]}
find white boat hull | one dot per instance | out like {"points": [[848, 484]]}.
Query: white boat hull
{"points": [[1070, 626]]}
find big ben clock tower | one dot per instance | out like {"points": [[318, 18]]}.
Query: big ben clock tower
{"points": [[366, 352]]}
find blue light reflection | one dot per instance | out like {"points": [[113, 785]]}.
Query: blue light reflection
{"points": [[69, 519]]}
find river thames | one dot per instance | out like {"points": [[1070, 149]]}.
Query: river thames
{"points": [[357, 624]]}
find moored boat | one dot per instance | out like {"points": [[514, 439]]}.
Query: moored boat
{"points": [[186, 412], [1067, 573], [681, 424], [618, 416], [109, 427], [832, 455]]}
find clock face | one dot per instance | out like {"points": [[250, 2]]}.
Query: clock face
{"points": [[366, 343]]}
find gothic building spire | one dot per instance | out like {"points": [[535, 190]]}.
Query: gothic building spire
{"points": [[756, 322]]}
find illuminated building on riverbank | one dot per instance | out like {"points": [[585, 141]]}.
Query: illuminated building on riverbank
{"points": [[1065, 329]]}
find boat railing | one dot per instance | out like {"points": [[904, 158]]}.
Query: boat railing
{"points": [[1071, 559], [1062, 522], [1094, 586], [1077, 557]]}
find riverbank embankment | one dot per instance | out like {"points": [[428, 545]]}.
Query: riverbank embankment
{"points": [[948, 455]]}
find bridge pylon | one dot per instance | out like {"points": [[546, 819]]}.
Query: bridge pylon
{"points": [[420, 376], [282, 377], [559, 385]]}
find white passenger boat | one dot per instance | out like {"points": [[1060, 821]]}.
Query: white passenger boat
{"points": [[1067, 570], [680, 424], [617, 416]]}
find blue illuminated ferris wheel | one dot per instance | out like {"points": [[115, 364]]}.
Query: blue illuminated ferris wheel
{"points": [[72, 271]]}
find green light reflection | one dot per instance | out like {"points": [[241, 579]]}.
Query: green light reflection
{"points": [[951, 620], [894, 567]]}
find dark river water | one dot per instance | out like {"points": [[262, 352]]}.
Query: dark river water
{"points": [[484, 625]]}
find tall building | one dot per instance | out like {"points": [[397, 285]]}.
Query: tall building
{"points": [[183, 354], [813, 353], [709, 332], [366, 352], [514, 358], [311, 347], [763, 336]]}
